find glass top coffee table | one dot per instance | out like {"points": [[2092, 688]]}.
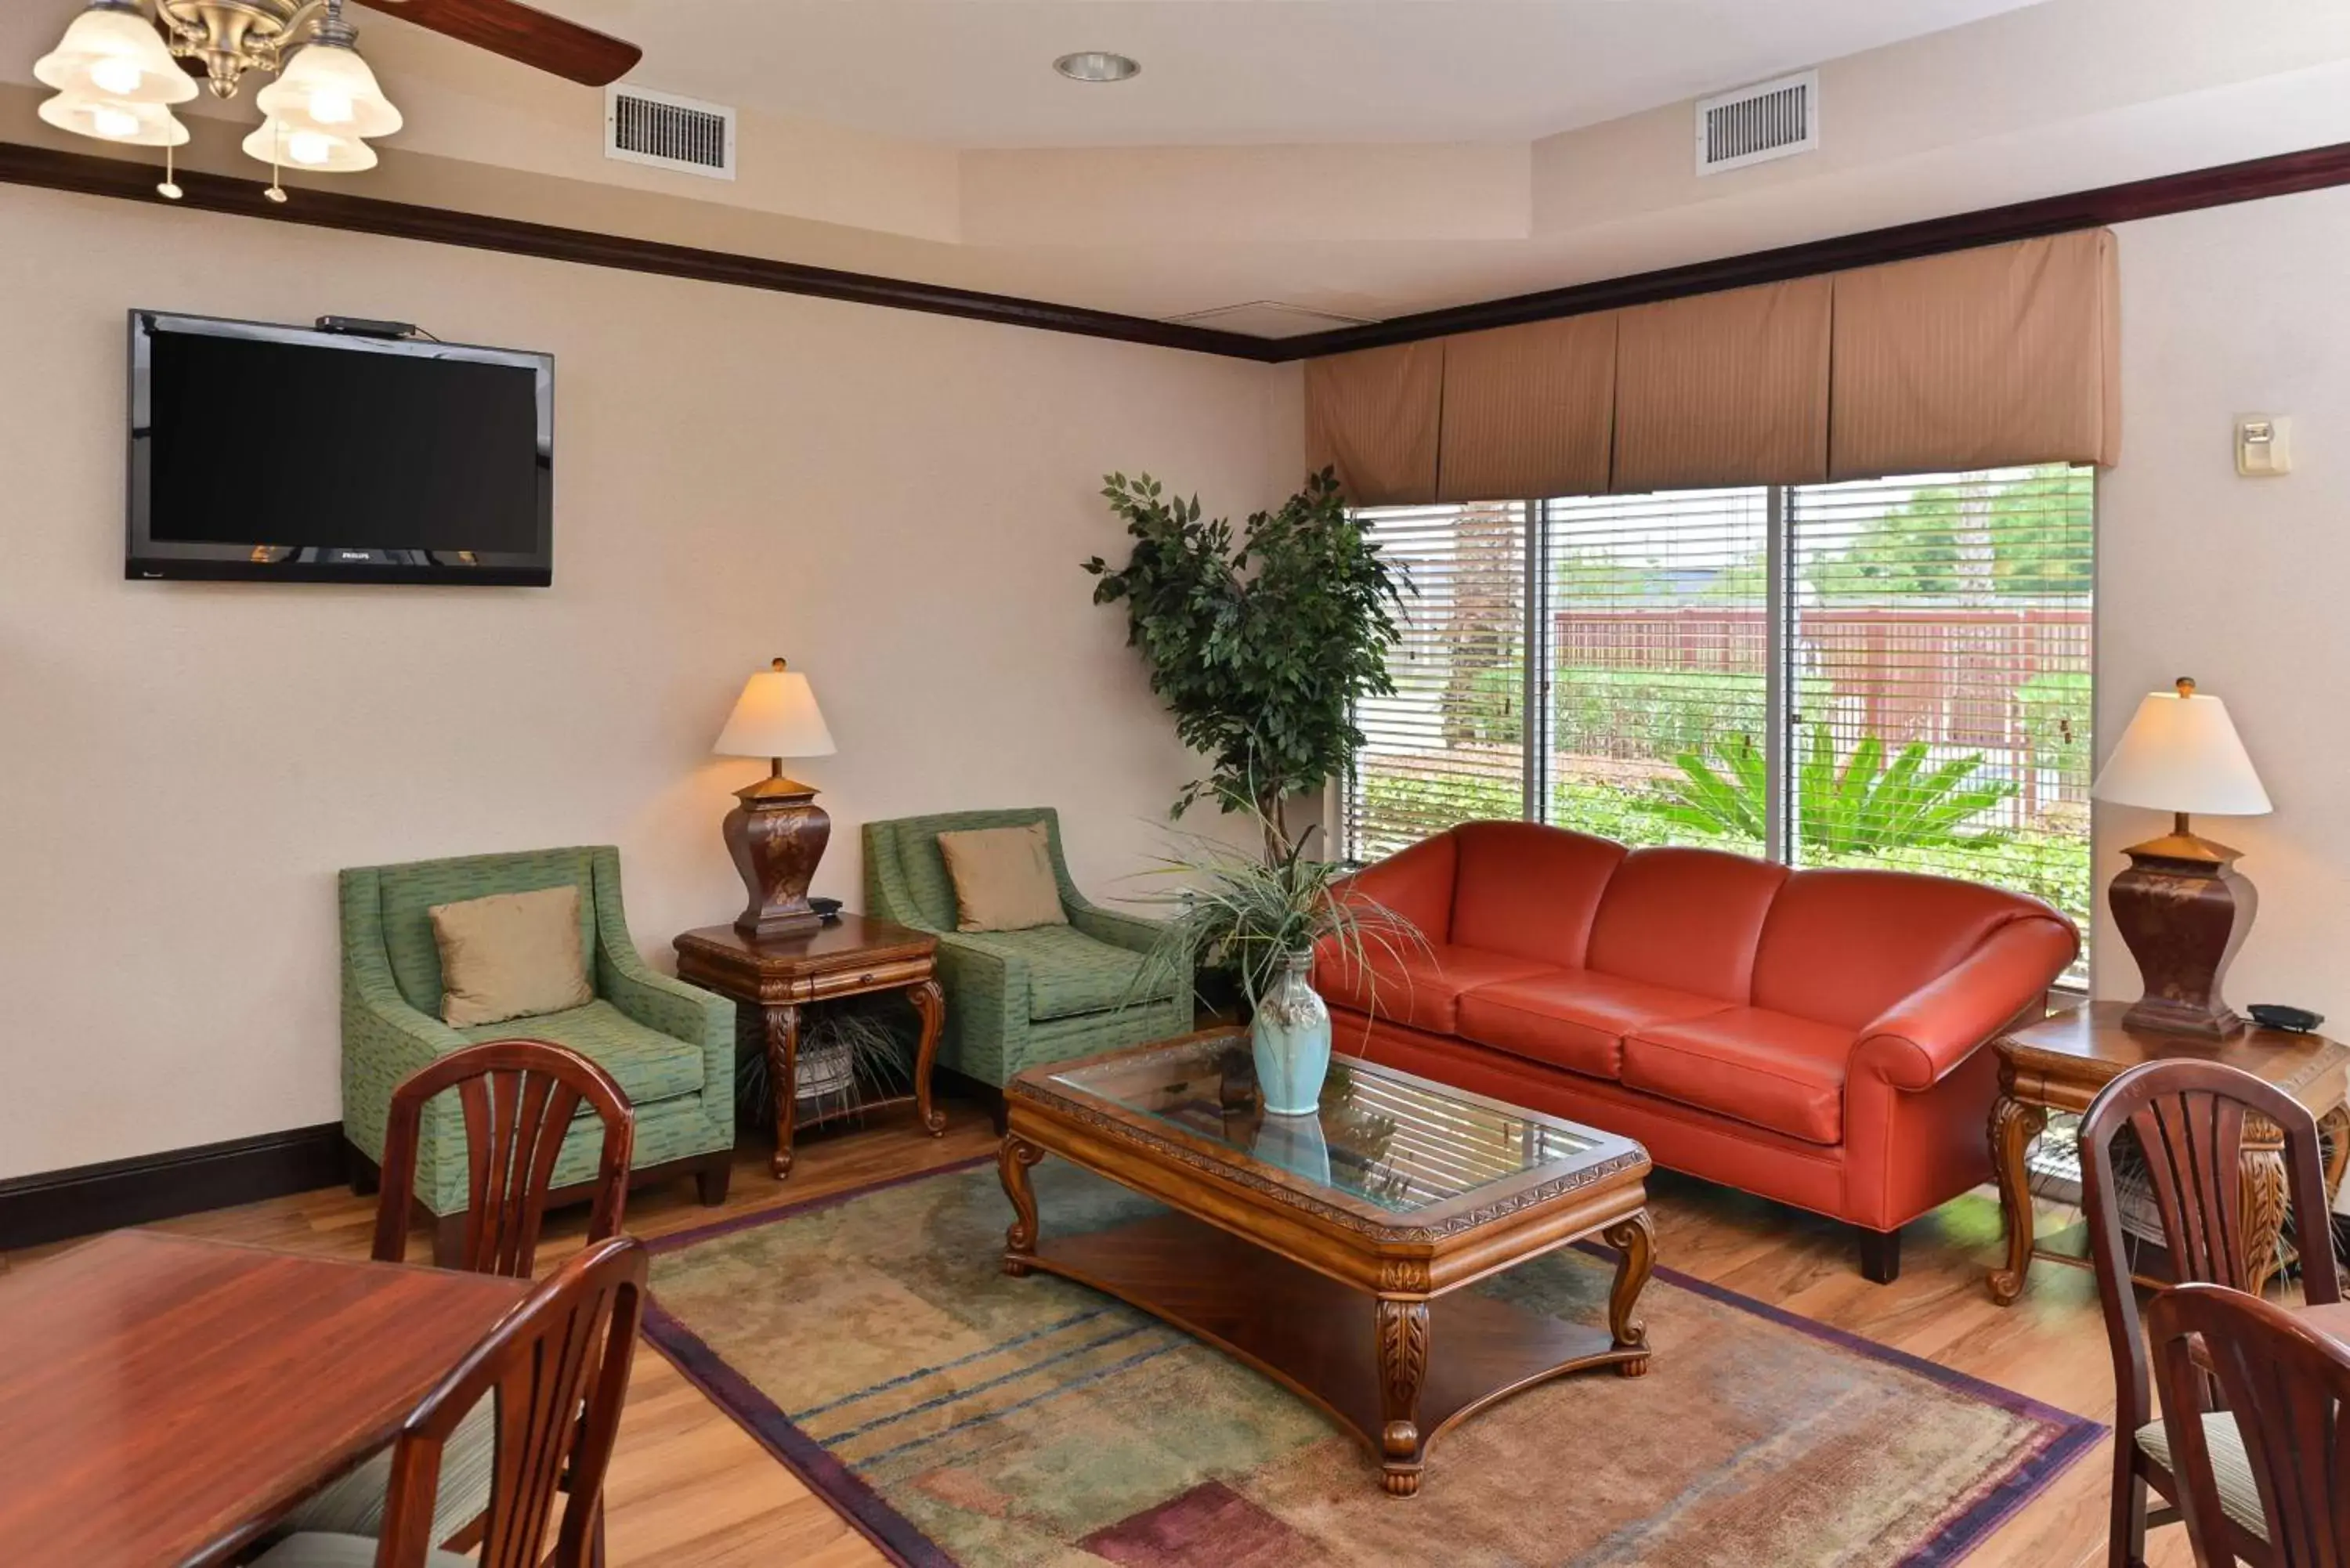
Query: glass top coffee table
{"points": [[1328, 1252]]}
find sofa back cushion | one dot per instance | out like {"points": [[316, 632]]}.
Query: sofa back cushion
{"points": [[410, 891], [1528, 891], [1687, 919], [1841, 947]]}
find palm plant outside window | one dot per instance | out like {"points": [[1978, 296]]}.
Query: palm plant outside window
{"points": [[1890, 672]]}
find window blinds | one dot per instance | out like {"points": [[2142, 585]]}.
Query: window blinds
{"points": [[1658, 648], [1941, 635], [1885, 673], [1449, 746]]}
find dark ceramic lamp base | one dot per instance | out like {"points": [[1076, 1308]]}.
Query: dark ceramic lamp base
{"points": [[778, 837], [2182, 909]]}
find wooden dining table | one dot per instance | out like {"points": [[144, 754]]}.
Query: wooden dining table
{"points": [[163, 1398]]}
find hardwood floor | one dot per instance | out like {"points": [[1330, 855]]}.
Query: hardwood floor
{"points": [[690, 1490]]}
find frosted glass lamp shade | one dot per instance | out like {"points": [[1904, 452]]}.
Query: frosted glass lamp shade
{"points": [[776, 716], [112, 119], [112, 53], [2180, 754], [326, 86], [320, 152]]}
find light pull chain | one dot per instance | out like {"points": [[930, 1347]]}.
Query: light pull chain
{"points": [[277, 191], [169, 189]]}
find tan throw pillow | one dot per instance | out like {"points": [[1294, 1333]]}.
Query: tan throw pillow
{"points": [[1002, 878], [510, 955]]}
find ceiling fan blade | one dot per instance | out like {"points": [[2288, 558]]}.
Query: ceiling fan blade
{"points": [[517, 32]]}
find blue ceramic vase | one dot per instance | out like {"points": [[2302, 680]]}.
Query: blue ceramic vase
{"points": [[1291, 1040]]}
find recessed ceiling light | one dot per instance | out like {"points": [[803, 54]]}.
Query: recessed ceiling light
{"points": [[1097, 66]]}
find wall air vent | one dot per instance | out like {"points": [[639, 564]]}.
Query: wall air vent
{"points": [[1756, 124], [669, 132]]}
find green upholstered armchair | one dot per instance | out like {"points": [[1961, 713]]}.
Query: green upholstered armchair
{"points": [[670, 1045], [1018, 998]]}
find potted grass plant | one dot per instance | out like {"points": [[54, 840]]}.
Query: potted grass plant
{"points": [[1262, 916]]}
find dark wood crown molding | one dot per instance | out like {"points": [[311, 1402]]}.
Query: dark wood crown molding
{"points": [[2284, 174], [93, 175]]}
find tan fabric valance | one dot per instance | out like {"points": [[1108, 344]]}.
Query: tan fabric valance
{"points": [[1528, 410], [1372, 416], [1724, 388], [1982, 359], [2005, 354]]}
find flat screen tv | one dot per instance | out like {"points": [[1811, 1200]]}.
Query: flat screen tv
{"points": [[283, 454]]}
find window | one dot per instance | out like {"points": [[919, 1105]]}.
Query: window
{"points": [[1893, 672], [1449, 746]]}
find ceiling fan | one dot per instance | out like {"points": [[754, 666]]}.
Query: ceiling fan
{"points": [[117, 72]]}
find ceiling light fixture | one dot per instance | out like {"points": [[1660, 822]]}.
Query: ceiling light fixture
{"points": [[117, 76], [1097, 66]]}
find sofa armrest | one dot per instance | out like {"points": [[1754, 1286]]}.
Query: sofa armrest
{"points": [[1920, 1039], [1415, 883], [1132, 932]]}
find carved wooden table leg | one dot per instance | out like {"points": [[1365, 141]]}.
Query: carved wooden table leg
{"points": [[930, 1003], [1403, 1365], [783, 1077], [1634, 1241], [1012, 1163], [2014, 1126], [2335, 1127], [2262, 1183]]}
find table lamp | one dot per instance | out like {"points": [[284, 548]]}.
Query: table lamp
{"points": [[778, 832], [2181, 907]]}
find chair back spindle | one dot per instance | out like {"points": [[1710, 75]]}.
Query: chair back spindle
{"points": [[557, 1366], [2287, 1385], [518, 1099], [2190, 1119]]}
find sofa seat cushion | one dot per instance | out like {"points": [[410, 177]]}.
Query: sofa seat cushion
{"points": [[1575, 1017], [1069, 972], [1421, 986], [1775, 1070], [651, 1067]]}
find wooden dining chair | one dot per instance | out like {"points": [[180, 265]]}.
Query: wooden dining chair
{"points": [[519, 1098], [2286, 1389], [555, 1372], [2189, 1120]]}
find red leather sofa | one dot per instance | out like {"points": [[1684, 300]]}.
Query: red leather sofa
{"points": [[1816, 1037]]}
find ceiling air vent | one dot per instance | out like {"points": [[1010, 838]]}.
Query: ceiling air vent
{"points": [[669, 132], [1269, 318], [1756, 124]]}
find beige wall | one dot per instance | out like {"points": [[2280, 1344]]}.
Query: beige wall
{"points": [[2239, 583], [896, 502]]}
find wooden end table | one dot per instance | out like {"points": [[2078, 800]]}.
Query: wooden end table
{"points": [[1329, 1252], [2059, 1065], [771, 979]]}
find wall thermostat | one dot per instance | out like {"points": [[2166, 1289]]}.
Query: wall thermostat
{"points": [[2264, 446]]}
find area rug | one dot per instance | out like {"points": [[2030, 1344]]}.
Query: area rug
{"points": [[958, 1416]]}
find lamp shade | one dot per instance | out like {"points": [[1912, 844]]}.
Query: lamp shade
{"points": [[326, 86], [111, 119], [274, 142], [111, 51], [2181, 753], [776, 716]]}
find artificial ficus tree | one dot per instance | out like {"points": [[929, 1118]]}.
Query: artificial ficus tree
{"points": [[1260, 642]]}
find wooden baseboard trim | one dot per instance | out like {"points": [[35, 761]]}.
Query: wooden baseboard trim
{"points": [[54, 1205]]}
